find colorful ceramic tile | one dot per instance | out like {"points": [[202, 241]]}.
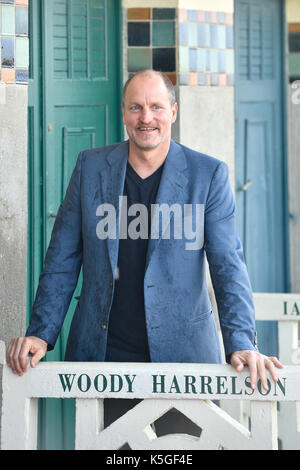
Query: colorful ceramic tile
{"points": [[214, 60], [214, 79], [192, 60], [138, 33], [222, 79], [230, 80], [221, 34], [229, 60], [229, 18], [229, 37], [183, 37], [8, 20], [172, 77], [163, 33], [294, 27], [192, 34], [203, 35], [193, 79], [201, 16], [294, 63], [163, 13], [221, 17], [138, 13], [213, 17], [201, 79], [22, 52], [221, 61], [22, 2], [184, 79], [139, 59], [22, 76], [182, 14], [207, 79], [201, 60], [213, 35], [21, 20], [7, 1], [192, 15], [294, 42], [7, 52], [8, 75], [164, 59], [184, 60]]}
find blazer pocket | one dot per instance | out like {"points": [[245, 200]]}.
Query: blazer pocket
{"points": [[201, 316]]}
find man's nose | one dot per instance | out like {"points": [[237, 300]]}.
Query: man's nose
{"points": [[146, 115]]}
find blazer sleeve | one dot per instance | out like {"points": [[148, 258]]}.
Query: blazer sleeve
{"points": [[62, 264], [227, 267]]}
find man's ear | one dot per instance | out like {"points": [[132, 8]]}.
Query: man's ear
{"points": [[174, 112]]}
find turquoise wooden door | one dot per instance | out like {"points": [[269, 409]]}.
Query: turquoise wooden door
{"points": [[79, 108], [260, 158]]}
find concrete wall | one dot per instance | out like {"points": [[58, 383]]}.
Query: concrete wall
{"points": [[13, 209]]}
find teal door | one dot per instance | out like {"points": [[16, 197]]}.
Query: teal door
{"points": [[74, 104], [260, 157]]}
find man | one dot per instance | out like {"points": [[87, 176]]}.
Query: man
{"points": [[145, 298]]}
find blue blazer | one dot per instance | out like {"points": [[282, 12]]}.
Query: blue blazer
{"points": [[179, 319]]}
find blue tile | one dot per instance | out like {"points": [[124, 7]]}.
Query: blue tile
{"points": [[229, 59], [184, 79], [230, 79], [184, 59], [207, 16], [221, 32], [193, 60], [138, 33], [214, 79], [22, 76], [193, 36], [7, 52], [213, 35], [203, 35], [192, 15], [183, 34], [21, 20], [221, 61], [221, 17], [214, 60], [201, 79], [201, 60], [229, 37], [7, 1]]}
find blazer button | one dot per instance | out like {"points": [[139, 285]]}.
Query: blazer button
{"points": [[103, 327]]}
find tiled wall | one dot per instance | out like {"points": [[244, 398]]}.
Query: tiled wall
{"points": [[294, 51], [14, 41], [152, 40], [193, 47]]}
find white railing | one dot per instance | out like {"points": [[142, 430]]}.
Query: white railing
{"points": [[285, 309], [187, 387]]}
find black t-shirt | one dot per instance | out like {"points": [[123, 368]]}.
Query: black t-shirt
{"points": [[127, 334]]}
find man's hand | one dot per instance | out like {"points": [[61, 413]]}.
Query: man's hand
{"points": [[18, 350], [258, 364]]}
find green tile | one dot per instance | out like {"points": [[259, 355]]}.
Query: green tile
{"points": [[163, 33], [22, 52], [294, 63], [8, 20], [139, 58]]}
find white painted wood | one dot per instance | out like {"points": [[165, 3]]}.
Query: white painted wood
{"points": [[86, 383], [277, 306]]}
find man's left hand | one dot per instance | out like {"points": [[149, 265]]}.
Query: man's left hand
{"points": [[258, 364]]}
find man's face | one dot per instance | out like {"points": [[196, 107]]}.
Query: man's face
{"points": [[147, 112]]}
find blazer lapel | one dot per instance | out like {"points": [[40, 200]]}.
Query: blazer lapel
{"points": [[112, 178], [171, 190]]}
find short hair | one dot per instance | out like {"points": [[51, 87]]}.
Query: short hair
{"points": [[148, 72]]}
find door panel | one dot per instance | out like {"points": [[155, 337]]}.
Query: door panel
{"points": [[80, 88], [260, 166]]}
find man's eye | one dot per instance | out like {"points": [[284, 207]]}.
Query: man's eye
{"points": [[156, 106], [135, 107]]}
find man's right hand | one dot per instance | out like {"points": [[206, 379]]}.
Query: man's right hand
{"points": [[18, 350]]}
